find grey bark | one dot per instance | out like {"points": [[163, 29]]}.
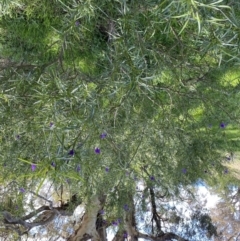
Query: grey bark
{"points": [[87, 228]]}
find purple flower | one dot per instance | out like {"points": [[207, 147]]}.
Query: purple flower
{"points": [[68, 180], [152, 178], [226, 171], [21, 189], [17, 137], [71, 152], [184, 170], [97, 150], [228, 158], [107, 169], [51, 124], [103, 135], [125, 235], [53, 164], [104, 222], [102, 212], [33, 167], [114, 223], [126, 207], [78, 168], [77, 23], [223, 125]]}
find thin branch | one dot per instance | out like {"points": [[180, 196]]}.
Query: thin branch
{"points": [[40, 196], [156, 217], [35, 212], [9, 219]]}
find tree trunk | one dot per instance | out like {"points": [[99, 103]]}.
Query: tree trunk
{"points": [[118, 237], [87, 228], [130, 223], [101, 228]]}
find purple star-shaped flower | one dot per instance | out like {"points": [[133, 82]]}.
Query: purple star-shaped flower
{"points": [[102, 212], [152, 178], [53, 164], [71, 152], [103, 135], [228, 158], [33, 167], [115, 223], [126, 207], [107, 169], [184, 170], [226, 171], [21, 189], [97, 150], [78, 168], [68, 180], [104, 222], [125, 235], [223, 125], [77, 23]]}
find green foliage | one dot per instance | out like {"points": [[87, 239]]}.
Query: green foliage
{"points": [[153, 75]]}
